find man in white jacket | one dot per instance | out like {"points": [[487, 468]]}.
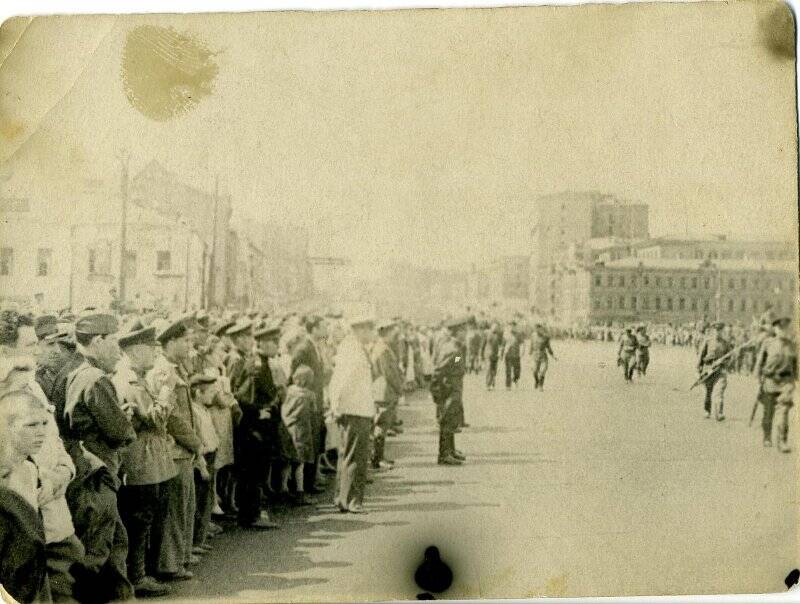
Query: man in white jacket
{"points": [[353, 409]]}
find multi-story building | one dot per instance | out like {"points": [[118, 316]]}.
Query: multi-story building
{"points": [[566, 221], [503, 283], [714, 248], [203, 209], [677, 290]]}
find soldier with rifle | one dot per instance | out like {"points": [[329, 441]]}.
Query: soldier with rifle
{"points": [[712, 361]]}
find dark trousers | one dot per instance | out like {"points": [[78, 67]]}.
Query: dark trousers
{"points": [[138, 506], [381, 424], [320, 432], [491, 372], [642, 360], [771, 403], [61, 556], [204, 500], [448, 415], [628, 363], [171, 535], [93, 504], [248, 493], [539, 370], [351, 476], [513, 369]]}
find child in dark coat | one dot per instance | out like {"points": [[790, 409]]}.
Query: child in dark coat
{"points": [[297, 432]]}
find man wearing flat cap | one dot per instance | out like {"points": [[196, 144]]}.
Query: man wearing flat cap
{"points": [[147, 463], [387, 388], [173, 531], [447, 385], [248, 383], [710, 362], [776, 367], [353, 409], [95, 429]]}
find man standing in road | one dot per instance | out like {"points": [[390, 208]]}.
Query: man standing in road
{"points": [[710, 363], [777, 371], [540, 349], [642, 350], [387, 387], [626, 353], [511, 355], [447, 388], [353, 409], [491, 351]]}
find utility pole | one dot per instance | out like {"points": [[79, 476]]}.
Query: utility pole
{"points": [[212, 275], [188, 250], [123, 235]]}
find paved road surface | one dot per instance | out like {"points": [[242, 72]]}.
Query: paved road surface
{"points": [[594, 487]]}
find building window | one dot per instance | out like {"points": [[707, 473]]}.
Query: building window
{"points": [[707, 283], [596, 303], [44, 256], [610, 303], [694, 304], [622, 280], [658, 303], [731, 284], [694, 282], [681, 304], [610, 281], [645, 303], [669, 303], [622, 301], [683, 282], [92, 261], [743, 305], [633, 281], [130, 264], [669, 282], [730, 305], [598, 280], [744, 283], [100, 258], [658, 281], [646, 280], [767, 305], [706, 304], [633, 302], [163, 261], [6, 260]]}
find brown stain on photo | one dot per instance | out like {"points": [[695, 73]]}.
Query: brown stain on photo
{"points": [[556, 587], [11, 128], [166, 73]]}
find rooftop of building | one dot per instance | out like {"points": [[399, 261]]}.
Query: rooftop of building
{"points": [[721, 239], [695, 264], [591, 196]]}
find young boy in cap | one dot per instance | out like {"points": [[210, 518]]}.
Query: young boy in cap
{"points": [[203, 391]]}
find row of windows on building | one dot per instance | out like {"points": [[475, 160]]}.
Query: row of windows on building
{"points": [[659, 303], [99, 261], [733, 283]]}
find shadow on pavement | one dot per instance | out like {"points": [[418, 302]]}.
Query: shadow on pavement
{"points": [[244, 561]]}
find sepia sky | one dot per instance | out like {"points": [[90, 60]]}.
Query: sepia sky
{"points": [[425, 135]]}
